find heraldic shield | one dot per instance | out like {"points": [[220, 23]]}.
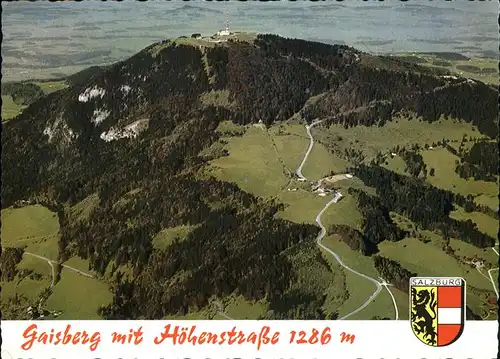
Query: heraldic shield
{"points": [[437, 309]]}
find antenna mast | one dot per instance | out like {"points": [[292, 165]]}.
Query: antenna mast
{"points": [[227, 20]]}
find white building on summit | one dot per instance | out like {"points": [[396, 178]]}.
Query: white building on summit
{"points": [[225, 32]]}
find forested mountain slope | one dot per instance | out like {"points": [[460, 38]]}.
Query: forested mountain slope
{"points": [[133, 133]]}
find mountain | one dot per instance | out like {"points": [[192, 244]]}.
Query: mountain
{"points": [[130, 139]]}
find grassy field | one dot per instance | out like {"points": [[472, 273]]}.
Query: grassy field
{"points": [[51, 86], [291, 142], [301, 206], [351, 258], [37, 229], [166, 236], [444, 163], [485, 70], [402, 301], [321, 161], [10, 109], [239, 308], [37, 265], [252, 164], [345, 184], [466, 146], [263, 174], [425, 263], [46, 247], [27, 287], [359, 289], [80, 264], [343, 212], [383, 307], [433, 261], [463, 249], [487, 200], [396, 164], [485, 223], [193, 42], [477, 68], [34, 227], [401, 132], [78, 297]]}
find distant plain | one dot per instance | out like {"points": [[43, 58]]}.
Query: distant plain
{"points": [[49, 40]]}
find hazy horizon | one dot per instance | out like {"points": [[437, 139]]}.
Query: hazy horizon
{"points": [[47, 40]]}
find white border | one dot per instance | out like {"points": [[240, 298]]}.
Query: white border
{"points": [[374, 339]]}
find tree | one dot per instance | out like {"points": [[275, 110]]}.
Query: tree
{"points": [[9, 259], [332, 316]]}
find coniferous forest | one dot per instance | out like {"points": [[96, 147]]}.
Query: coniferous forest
{"points": [[54, 153]]}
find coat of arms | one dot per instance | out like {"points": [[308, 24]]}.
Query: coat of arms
{"points": [[437, 309]]}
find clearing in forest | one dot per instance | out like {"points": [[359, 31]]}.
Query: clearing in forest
{"points": [[87, 295]]}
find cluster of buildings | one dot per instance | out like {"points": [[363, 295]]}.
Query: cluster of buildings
{"points": [[220, 36], [323, 191]]}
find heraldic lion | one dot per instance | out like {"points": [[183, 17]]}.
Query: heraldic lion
{"points": [[423, 313]]}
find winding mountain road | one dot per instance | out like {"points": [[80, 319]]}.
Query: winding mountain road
{"points": [[488, 277], [396, 312], [493, 281], [322, 234], [49, 262], [52, 262], [309, 149], [491, 276]]}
